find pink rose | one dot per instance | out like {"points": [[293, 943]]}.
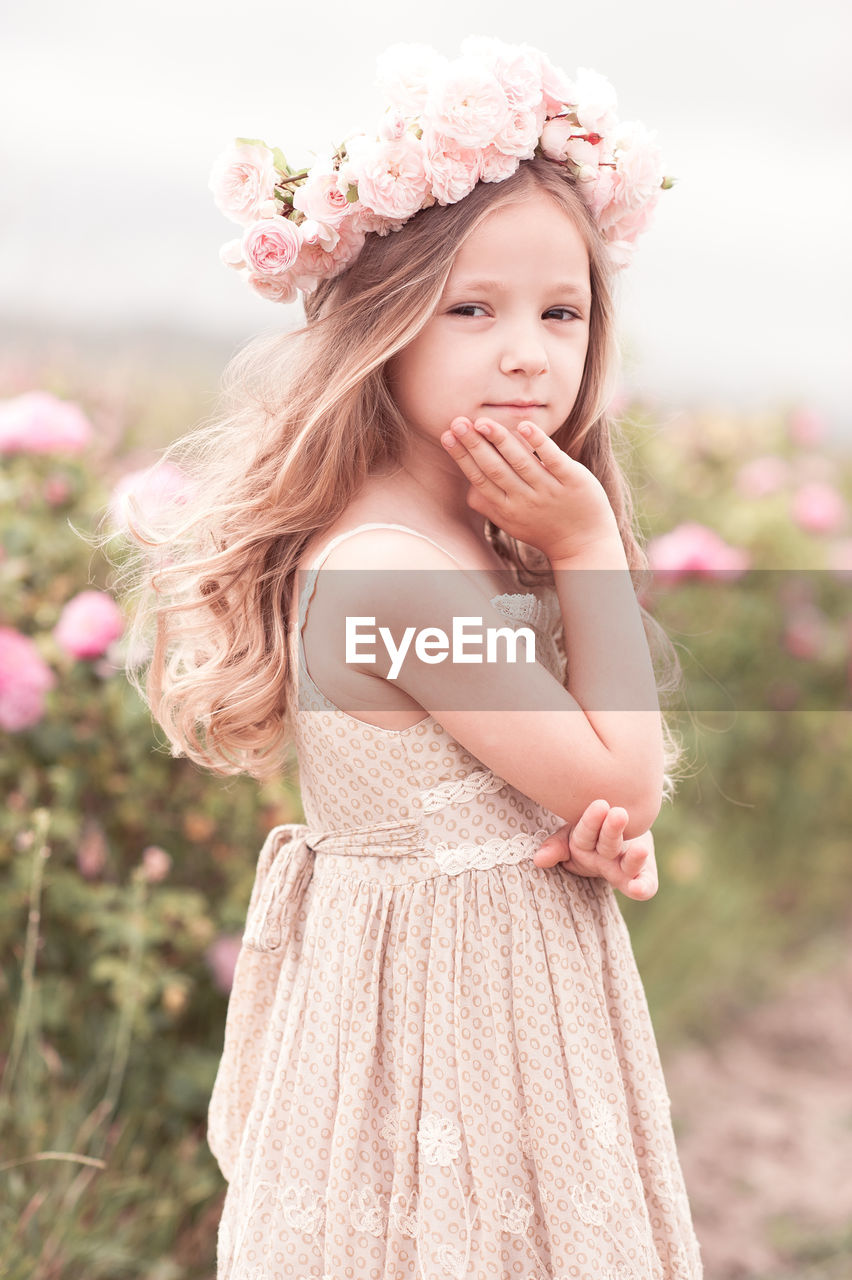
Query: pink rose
{"points": [[818, 508], [392, 178], [25, 678], [598, 193], [221, 957], [555, 85], [692, 548], [595, 101], [639, 172], [405, 72], [517, 68], [452, 171], [39, 422], [273, 288], [271, 246], [762, 476], [519, 135], [156, 864], [316, 263], [555, 136], [468, 104], [242, 179], [321, 199], [495, 165], [156, 491], [88, 624]]}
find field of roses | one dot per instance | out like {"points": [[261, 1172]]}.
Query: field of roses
{"points": [[126, 873]]}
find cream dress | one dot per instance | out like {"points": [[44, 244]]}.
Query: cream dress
{"points": [[438, 1059]]}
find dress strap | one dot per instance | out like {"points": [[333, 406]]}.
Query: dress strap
{"points": [[311, 576]]}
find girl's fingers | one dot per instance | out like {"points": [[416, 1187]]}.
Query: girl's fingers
{"points": [[490, 491]]}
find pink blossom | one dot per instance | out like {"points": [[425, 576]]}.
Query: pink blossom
{"points": [[599, 192], [39, 422], [555, 136], [519, 135], [57, 490], [517, 68], [404, 72], [231, 254], [762, 476], [25, 678], [155, 490], [805, 633], [692, 548], [818, 508], [242, 178], [452, 171], [156, 864], [495, 165], [273, 288], [555, 85], [88, 624], [321, 198], [317, 263], [595, 100], [467, 103], [807, 426], [271, 246], [392, 178], [221, 957]]}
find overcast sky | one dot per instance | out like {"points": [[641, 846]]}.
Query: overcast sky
{"points": [[739, 293]]}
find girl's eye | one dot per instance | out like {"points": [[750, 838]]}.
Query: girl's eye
{"points": [[565, 310], [466, 308]]}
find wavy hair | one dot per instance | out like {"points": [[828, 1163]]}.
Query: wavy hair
{"points": [[303, 419]]}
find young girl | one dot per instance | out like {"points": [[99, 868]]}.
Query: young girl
{"points": [[438, 1056]]}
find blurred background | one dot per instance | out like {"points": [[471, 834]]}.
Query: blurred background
{"points": [[126, 874]]}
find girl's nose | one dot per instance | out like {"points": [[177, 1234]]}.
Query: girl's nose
{"points": [[523, 353]]}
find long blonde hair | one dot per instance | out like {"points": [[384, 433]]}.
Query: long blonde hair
{"points": [[303, 420]]}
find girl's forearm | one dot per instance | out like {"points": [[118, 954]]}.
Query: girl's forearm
{"points": [[610, 672]]}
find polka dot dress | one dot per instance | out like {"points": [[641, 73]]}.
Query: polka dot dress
{"points": [[438, 1057]]}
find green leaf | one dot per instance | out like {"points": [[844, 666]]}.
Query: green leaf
{"points": [[250, 142], [352, 193], [278, 160]]}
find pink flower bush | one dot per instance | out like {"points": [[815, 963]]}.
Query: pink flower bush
{"points": [[807, 427], [156, 864], [38, 422], [25, 678], [155, 491], [221, 957], [88, 624], [805, 633], [762, 476], [818, 508], [693, 549]]}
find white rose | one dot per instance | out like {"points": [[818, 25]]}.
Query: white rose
{"points": [[404, 72]]}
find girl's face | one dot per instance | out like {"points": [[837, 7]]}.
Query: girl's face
{"points": [[512, 325]]}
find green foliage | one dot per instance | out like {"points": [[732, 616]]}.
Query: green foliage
{"points": [[113, 1020]]}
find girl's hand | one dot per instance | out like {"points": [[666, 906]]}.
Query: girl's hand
{"points": [[549, 501], [594, 847]]}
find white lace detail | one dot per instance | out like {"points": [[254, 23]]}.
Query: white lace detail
{"points": [[589, 1210], [523, 606], [515, 1212], [499, 851], [366, 1213], [604, 1122], [301, 1207], [457, 790]]}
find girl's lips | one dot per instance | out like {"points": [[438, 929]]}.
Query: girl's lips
{"points": [[516, 408]]}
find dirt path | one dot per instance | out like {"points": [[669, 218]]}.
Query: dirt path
{"points": [[764, 1127]]}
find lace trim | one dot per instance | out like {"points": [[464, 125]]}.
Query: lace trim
{"points": [[499, 851], [457, 790], [440, 1145], [524, 606]]}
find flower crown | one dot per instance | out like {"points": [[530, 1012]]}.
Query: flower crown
{"points": [[448, 125]]}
